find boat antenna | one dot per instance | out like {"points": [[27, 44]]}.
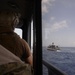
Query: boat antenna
{"points": [[52, 43]]}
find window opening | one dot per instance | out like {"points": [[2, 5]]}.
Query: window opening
{"points": [[58, 26], [18, 31], [32, 36]]}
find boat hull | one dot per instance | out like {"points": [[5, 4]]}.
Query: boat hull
{"points": [[52, 49]]}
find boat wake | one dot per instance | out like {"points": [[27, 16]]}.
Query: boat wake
{"points": [[58, 50]]}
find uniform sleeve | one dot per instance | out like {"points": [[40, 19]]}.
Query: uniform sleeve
{"points": [[26, 50]]}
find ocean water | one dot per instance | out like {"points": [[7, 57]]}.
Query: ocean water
{"points": [[63, 59]]}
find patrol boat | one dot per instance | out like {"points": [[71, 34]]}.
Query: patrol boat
{"points": [[53, 47]]}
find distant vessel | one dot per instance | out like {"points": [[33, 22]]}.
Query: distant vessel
{"points": [[53, 47]]}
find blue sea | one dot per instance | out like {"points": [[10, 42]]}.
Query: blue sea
{"points": [[63, 59]]}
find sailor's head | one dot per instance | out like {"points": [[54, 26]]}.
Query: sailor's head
{"points": [[9, 19]]}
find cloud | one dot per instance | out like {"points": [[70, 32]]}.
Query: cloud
{"points": [[47, 1], [46, 4], [52, 18], [58, 25], [44, 9]]}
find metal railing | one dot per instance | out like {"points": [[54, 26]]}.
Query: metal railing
{"points": [[52, 70]]}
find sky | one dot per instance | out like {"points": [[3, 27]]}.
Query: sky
{"points": [[58, 22]]}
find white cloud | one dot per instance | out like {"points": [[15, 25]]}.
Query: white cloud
{"points": [[47, 1], [59, 25], [52, 18], [44, 9], [46, 4]]}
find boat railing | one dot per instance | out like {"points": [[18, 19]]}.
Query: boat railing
{"points": [[52, 70]]}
